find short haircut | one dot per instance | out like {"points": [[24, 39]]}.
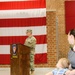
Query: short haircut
{"points": [[72, 32], [64, 62]]}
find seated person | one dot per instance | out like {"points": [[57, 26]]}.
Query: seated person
{"points": [[61, 67], [71, 53]]}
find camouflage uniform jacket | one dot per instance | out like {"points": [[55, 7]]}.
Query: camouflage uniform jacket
{"points": [[31, 42]]}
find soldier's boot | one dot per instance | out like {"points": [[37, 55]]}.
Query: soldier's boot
{"points": [[32, 72]]}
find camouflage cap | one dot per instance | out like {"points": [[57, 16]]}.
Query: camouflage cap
{"points": [[29, 30]]}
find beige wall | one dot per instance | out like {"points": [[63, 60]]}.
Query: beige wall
{"points": [[55, 8]]}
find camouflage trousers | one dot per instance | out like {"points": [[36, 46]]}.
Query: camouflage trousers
{"points": [[32, 62]]}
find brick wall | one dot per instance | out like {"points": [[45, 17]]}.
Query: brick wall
{"points": [[51, 38], [55, 8]]}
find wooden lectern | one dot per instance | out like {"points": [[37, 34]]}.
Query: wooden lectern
{"points": [[20, 59]]}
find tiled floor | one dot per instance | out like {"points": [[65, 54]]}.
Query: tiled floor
{"points": [[38, 71]]}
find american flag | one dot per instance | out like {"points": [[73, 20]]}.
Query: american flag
{"points": [[16, 16]]}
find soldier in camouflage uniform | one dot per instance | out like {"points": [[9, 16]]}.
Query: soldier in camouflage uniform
{"points": [[31, 42]]}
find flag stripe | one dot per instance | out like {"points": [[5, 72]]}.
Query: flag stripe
{"points": [[20, 39], [5, 58], [29, 13], [22, 5], [40, 58], [21, 31], [40, 48], [21, 22], [14, 0]]}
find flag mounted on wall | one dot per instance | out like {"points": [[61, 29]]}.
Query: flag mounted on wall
{"points": [[16, 16], [69, 15]]}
